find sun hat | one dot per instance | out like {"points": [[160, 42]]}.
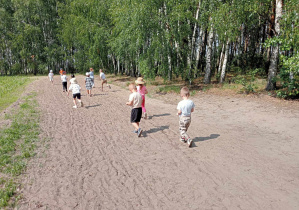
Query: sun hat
{"points": [[87, 73], [139, 81], [73, 81]]}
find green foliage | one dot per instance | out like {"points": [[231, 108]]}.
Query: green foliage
{"points": [[169, 89]]}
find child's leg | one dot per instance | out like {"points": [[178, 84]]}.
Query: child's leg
{"points": [[136, 125], [74, 100], [184, 125], [143, 104]]}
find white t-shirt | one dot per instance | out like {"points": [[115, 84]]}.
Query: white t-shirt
{"points": [[102, 75], [63, 78], [75, 88], [51, 75], [137, 100], [186, 106], [91, 75]]}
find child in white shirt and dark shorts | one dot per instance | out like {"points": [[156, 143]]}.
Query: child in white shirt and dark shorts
{"points": [[76, 90]]}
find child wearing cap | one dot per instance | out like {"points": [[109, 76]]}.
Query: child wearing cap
{"points": [[64, 81], [88, 84], [135, 100], [103, 78], [185, 108], [75, 88], [51, 76], [142, 90]]}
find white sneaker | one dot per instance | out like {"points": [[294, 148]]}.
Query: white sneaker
{"points": [[75, 107], [189, 141]]}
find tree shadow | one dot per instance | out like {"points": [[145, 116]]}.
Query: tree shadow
{"points": [[87, 107], [100, 94], [154, 130], [158, 115]]}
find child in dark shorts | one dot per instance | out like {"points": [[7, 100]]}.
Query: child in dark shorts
{"points": [[75, 88], [135, 100]]}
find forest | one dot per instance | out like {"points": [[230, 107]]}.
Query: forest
{"points": [[186, 39]]}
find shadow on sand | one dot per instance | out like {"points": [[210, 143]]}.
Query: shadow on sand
{"points": [[87, 107], [159, 115], [155, 130], [198, 139]]}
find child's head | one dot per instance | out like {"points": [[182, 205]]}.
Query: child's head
{"points": [[51, 71], [74, 81], [72, 76], [91, 69], [132, 87], [87, 74], [139, 81], [101, 70], [185, 92], [64, 73]]}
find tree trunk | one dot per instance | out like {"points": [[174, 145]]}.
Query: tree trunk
{"points": [[271, 84], [207, 78], [199, 49], [221, 58], [224, 62]]}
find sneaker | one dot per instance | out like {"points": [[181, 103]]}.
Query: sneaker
{"points": [[145, 116], [190, 142], [134, 131], [75, 107], [182, 139], [139, 132], [81, 104]]}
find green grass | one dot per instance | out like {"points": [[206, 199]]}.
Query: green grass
{"points": [[11, 88], [17, 144], [169, 89]]}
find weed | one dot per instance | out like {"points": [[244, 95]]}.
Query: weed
{"points": [[169, 89]]}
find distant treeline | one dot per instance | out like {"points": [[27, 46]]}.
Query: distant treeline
{"points": [[167, 38]]}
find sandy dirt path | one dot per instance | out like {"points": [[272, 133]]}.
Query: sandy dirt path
{"points": [[245, 155]]}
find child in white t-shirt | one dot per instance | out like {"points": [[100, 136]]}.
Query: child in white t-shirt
{"points": [[185, 108], [51, 76], [103, 78], [76, 90], [135, 100], [64, 81]]}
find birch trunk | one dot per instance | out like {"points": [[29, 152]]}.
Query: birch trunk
{"points": [[223, 71], [200, 45], [207, 78], [221, 58], [271, 85]]}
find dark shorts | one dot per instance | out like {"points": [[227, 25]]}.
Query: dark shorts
{"points": [[77, 95], [136, 115]]}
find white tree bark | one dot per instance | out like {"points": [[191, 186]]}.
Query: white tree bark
{"points": [[207, 78], [200, 45], [271, 85], [221, 58], [223, 71]]}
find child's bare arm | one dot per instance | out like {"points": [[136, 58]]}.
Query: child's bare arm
{"points": [[129, 103], [192, 110], [179, 112]]}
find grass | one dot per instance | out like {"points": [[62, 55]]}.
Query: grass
{"points": [[169, 89], [11, 88], [17, 144]]}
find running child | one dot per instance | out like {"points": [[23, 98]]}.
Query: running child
{"points": [[185, 108], [135, 100], [51, 77], [76, 90], [64, 82], [88, 84], [91, 75], [142, 90], [103, 78]]}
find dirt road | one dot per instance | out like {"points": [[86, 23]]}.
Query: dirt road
{"points": [[245, 155]]}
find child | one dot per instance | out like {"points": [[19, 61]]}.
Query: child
{"points": [[61, 71], [103, 78], [185, 107], [64, 81], [135, 100], [73, 77], [91, 75], [51, 77], [75, 88], [88, 84], [142, 90]]}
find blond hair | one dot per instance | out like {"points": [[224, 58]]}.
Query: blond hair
{"points": [[132, 86], [185, 92]]}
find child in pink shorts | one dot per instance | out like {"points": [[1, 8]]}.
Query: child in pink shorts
{"points": [[142, 90]]}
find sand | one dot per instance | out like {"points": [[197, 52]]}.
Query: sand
{"points": [[245, 154]]}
